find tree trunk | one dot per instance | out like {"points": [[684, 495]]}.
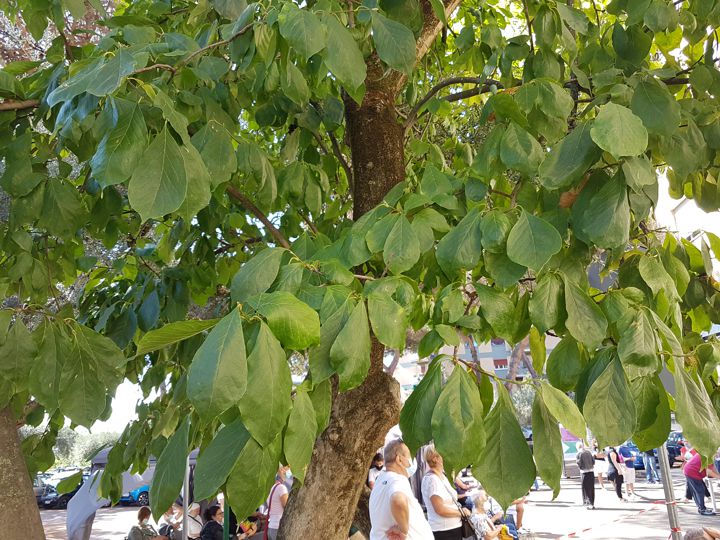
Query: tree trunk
{"points": [[17, 501], [325, 505]]}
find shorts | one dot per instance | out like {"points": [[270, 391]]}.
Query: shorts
{"points": [[629, 475]]}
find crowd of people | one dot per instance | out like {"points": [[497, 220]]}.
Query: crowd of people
{"points": [[397, 513]]}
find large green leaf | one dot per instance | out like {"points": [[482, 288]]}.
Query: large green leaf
{"points": [[457, 421], [520, 151], [656, 107], [532, 241], [53, 348], [172, 333], [656, 433], [601, 215], [569, 159], [506, 467], [343, 56], [618, 131], [198, 183], [499, 311], [495, 227], [394, 42], [62, 211], [402, 248], [170, 471], [416, 414], [257, 274], [218, 374], [300, 434], [638, 347], [547, 446], [547, 303], [388, 320], [293, 322], [657, 278], [215, 146], [350, 354], [15, 353], [320, 364], [609, 407], [303, 30], [565, 364], [585, 320], [217, 460], [695, 412], [563, 409], [122, 146], [265, 405], [158, 184], [461, 247], [252, 477]]}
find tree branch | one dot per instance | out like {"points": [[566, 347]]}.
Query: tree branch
{"points": [[220, 43], [243, 200], [529, 25], [341, 158], [19, 105], [166, 67]]}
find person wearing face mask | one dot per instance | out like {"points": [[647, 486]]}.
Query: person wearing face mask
{"points": [[213, 528], [276, 501], [143, 530], [395, 513], [375, 469]]}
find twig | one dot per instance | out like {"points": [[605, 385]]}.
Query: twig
{"points": [[220, 43], [341, 158], [242, 199], [321, 143], [309, 223], [529, 25], [363, 277], [19, 105], [597, 15], [156, 66]]}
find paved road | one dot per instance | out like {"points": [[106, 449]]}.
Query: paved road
{"points": [[110, 523]]}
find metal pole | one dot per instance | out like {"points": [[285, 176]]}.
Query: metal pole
{"points": [[226, 519], [675, 533], [186, 499]]}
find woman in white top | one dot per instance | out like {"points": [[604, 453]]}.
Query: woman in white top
{"points": [[441, 500], [276, 501]]}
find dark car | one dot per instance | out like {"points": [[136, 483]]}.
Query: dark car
{"points": [[52, 499], [675, 443]]}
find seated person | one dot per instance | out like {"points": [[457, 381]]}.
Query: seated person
{"points": [[706, 533], [143, 530], [513, 517], [484, 527], [462, 489]]}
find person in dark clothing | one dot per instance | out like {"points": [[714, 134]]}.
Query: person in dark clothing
{"points": [[586, 464], [615, 471], [213, 528]]}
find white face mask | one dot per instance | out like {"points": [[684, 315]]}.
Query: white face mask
{"points": [[145, 521], [412, 468], [288, 475]]}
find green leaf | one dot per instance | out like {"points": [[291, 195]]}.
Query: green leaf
{"points": [[321, 397], [656, 434], [66, 485], [320, 365], [609, 408], [656, 107], [460, 249], [350, 354], [215, 146], [532, 241], [495, 227], [547, 446], [520, 151], [293, 322], [198, 183], [394, 42], [303, 30], [18, 348], [218, 373], [416, 414], [256, 275], [122, 146], [647, 399], [457, 421], [499, 311], [565, 364], [265, 405], [546, 307], [252, 477], [300, 435], [62, 211], [506, 466], [637, 347], [569, 159], [158, 184], [402, 248], [502, 270], [538, 351], [654, 274], [170, 471], [695, 412], [172, 333], [601, 215], [217, 460], [618, 131], [388, 320], [639, 173], [586, 321], [563, 409], [294, 85], [343, 56], [573, 17], [53, 348]]}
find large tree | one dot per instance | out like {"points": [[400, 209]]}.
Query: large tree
{"points": [[240, 188]]}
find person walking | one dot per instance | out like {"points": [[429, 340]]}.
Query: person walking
{"points": [[395, 513], [695, 475], [652, 475], [586, 464], [600, 465], [443, 510], [615, 471]]}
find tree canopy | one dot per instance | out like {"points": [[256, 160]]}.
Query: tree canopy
{"points": [[198, 171]]}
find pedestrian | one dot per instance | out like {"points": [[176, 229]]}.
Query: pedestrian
{"points": [[143, 530], [375, 468], [586, 464], [651, 472], [213, 528], [443, 510], [706, 533], [695, 475], [628, 471], [276, 501], [395, 513], [194, 521], [600, 465], [615, 470]]}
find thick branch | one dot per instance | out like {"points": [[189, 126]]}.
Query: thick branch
{"points": [[19, 105], [242, 199]]}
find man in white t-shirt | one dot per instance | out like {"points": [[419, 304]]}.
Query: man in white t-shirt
{"points": [[395, 513], [276, 501]]}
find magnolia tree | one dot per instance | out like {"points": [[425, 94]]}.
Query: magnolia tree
{"points": [[276, 184]]}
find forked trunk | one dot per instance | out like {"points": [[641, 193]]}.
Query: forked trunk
{"points": [[325, 505], [21, 518]]}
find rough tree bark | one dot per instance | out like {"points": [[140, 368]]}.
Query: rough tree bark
{"points": [[17, 501]]}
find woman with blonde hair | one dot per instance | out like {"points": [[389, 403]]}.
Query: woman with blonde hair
{"points": [[443, 512]]}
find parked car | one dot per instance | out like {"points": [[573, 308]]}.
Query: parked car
{"points": [[140, 496], [39, 488], [675, 443], [52, 499]]}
